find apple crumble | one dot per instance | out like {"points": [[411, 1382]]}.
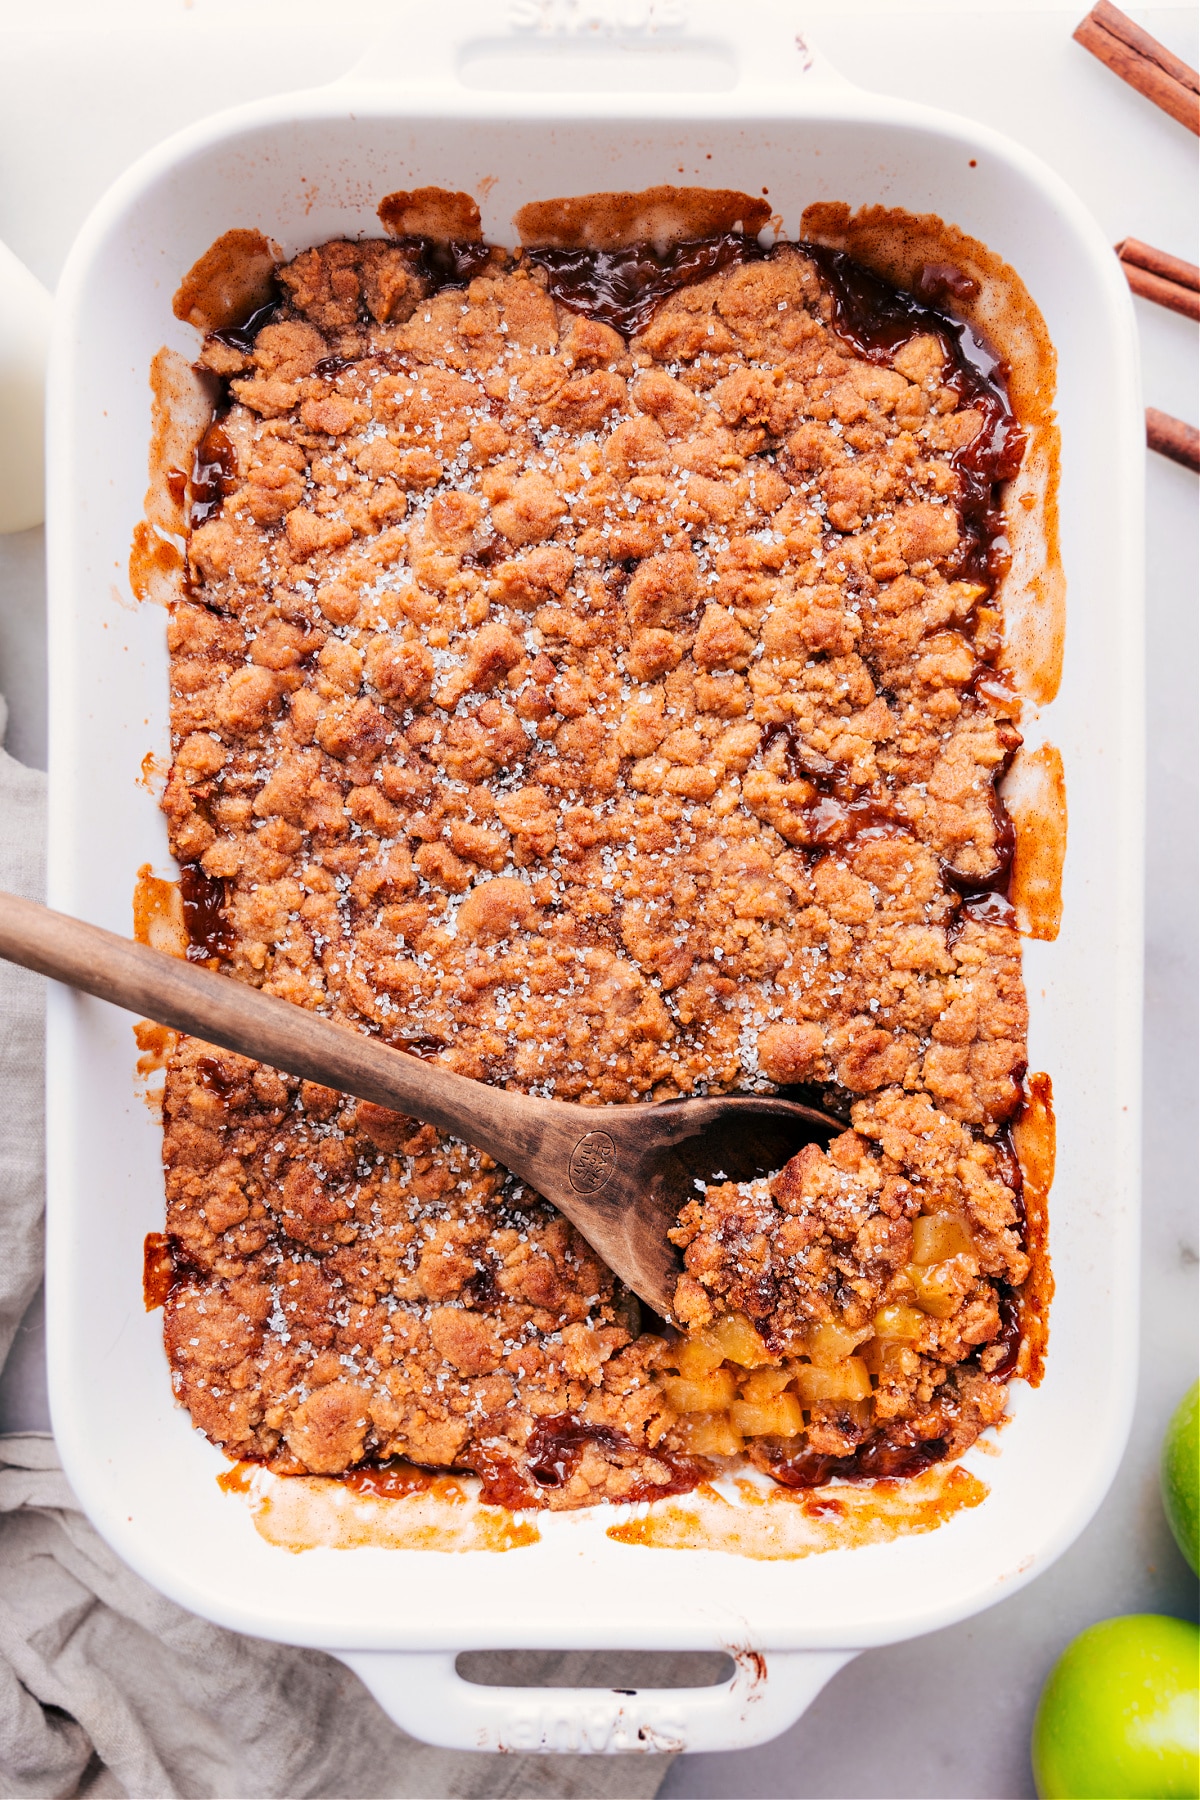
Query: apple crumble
{"points": [[587, 678]]}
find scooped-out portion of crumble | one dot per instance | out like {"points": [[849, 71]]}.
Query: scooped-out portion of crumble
{"points": [[611, 715]]}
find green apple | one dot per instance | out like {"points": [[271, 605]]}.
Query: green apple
{"points": [[1119, 1718], [1180, 1472]]}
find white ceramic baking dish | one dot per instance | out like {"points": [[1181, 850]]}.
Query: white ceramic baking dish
{"points": [[550, 99]]}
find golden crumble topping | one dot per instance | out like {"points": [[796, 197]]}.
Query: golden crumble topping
{"points": [[602, 713]]}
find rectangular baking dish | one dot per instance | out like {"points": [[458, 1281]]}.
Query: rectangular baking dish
{"points": [[546, 100]]}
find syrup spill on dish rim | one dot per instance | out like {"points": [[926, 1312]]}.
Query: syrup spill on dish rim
{"points": [[402, 1508]]}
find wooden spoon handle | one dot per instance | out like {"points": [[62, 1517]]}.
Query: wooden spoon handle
{"points": [[227, 1012]]}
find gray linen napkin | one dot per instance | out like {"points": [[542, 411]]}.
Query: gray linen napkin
{"points": [[107, 1688], [22, 1031]]}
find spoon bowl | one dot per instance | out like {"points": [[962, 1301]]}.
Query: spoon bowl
{"points": [[622, 1174]]}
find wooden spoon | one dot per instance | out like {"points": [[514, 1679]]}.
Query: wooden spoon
{"points": [[619, 1173]]}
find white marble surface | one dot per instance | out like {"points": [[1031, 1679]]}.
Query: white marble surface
{"points": [[84, 89]]}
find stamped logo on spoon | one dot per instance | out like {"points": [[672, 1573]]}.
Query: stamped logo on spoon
{"points": [[592, 1162]]}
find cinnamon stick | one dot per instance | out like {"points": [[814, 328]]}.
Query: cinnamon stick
{"points": [[1159, 262], [1158, 276], [1143, 62], [1173, 438]]}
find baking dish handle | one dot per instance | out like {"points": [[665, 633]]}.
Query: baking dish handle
{"points": [[425, 1695], [453, 47]]}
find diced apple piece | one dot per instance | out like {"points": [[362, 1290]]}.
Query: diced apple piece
{"points": [[709, 1393], [939, 1236], [850, 1380], [831, 1344], [739, 1341], [695, 1356], [765, 1384], [889, 1358], [903, 1322], [941, 1287], [780, 1417], [710, 1434]]}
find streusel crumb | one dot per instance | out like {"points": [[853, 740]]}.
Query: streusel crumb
{"points": [[600, 715]]}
